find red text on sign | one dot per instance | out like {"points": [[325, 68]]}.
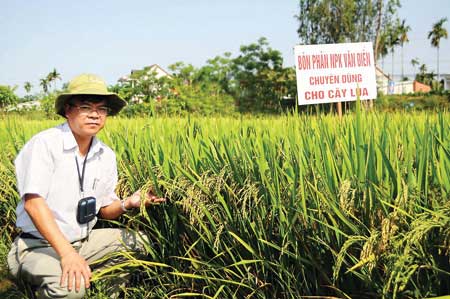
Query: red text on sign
{"points": [[314, 95]]}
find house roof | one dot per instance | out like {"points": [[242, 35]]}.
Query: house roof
{"points": [[160, 72], [380, 72], [152, 68]]}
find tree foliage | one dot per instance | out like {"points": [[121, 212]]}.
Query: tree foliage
{"points": [[424, 76], [27, 86], [326, 21], [48, 104], [403, 38], [7, 96], [52, 77], [338, 21], [438, 32], [435, 35], [253, 81], [43, 82]]}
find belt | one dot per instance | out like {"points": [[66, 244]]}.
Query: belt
{"points": [[28, 236]]}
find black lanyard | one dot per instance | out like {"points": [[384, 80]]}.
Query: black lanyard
{"points": [[81, 177]]}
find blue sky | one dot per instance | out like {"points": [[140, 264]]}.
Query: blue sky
{"points": [[110, 38]]}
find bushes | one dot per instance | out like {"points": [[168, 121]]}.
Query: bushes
{"points": [[189, 99], [7, 96]]}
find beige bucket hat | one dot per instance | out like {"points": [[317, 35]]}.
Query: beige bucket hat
{"points": [[89, 84]]}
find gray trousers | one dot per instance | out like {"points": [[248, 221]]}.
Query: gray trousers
{"points": [[36, 263]]}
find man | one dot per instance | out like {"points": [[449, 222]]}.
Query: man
{"points": [[66, 177]]}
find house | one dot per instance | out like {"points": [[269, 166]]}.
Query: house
{"points": [[140, 76], [382, 79], [446, 79], [420, 87], [387, 86], [153, 69], [25, 106]]}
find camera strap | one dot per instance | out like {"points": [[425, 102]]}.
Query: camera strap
{"points": [[81, 176]]}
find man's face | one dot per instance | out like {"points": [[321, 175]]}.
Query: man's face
{"points": [[86, 118]]}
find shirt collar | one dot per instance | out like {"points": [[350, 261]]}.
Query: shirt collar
{"points": [[69, 142]]}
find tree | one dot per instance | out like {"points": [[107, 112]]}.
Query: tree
{"points": [[326, 21], [28, 97], [44, 84], [392, 41], [383, 49], [255, 78], [219, 71], [53, 76], [142, 86], [250, 72], [415, 62], [424, 76], [27, 86], [7, 96], [379, 15], [403, 30], [337, 21], [386, 15], [435, 35], [182, 71]]}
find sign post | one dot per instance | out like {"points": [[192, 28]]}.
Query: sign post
{"points": [[330, 73]]}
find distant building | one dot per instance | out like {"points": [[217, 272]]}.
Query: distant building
{"points": [[147, 71], [386, 85], [25, 106], [420, 87], [446, 79], [141, 75]]}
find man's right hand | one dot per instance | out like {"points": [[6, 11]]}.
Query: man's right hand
{"points": [[74, 267]]}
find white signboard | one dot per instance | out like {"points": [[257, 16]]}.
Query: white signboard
{"points": [[334, 72]]}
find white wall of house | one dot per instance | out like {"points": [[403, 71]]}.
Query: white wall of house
{"points": [[396, 87], [387, 86]]}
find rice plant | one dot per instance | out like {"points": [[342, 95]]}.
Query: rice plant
{"points": [[279, 207]]}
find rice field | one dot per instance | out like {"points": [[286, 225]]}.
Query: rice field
{"points": [[276, 207]]}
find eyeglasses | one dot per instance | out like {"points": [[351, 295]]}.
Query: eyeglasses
{"points": [[86, 109]]}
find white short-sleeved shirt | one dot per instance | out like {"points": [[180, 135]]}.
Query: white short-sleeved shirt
{"points": [[46, 166]]}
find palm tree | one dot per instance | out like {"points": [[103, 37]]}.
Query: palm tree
{"points": [[44, 83], [49, 79], [55, 74], [383, 50], [392, 41], [379, 7], [52, 76], [27, 86], [436, 33], [403, 30], [415, 62]]}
